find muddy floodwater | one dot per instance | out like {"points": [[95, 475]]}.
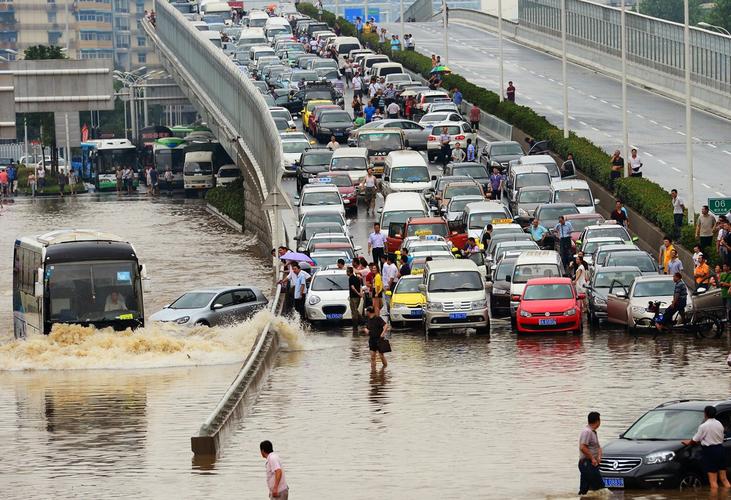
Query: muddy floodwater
{"points": [[99, 415]]}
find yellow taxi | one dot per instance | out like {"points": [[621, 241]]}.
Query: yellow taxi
{"points": [[308, 111], [407, 302]]}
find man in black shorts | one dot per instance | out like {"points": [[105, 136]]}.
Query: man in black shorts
{"points": [[376, 328], [711, 436], [680, 300]]}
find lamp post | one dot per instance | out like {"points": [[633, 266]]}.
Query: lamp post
{"points": [[721, 29], [563, 72], [403, 31], [688, 117], [500, 47], [444, 26], [625, 122]]}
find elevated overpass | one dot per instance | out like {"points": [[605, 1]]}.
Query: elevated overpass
{"points": [[232, 108]]}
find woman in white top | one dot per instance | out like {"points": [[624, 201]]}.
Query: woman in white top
{"points": [[581, 278], [370, 185]]}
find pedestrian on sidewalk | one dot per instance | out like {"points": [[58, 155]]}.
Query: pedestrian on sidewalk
{"points": [[704, 228], [41, 178], [590, 456], [355, 295], [710, 436], [377, 244], [635, 164], [32, 183], [299, 282], [169, 181], [119, 176], [4, 184], [276, 482], [510, 92], [154, 181], [475, 118], [377, 328], [617, 166], [678, 210], [73, 180]]}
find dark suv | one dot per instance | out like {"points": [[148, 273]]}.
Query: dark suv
{"points": [[650, 454], [312, 162]]}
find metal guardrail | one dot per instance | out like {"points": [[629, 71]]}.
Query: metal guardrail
{"points": [[497, 127]]}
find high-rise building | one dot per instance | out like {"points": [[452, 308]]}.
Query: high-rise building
{"points": [[88, 29]]}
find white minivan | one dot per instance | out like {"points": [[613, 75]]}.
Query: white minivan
{"points": [[399, 207], [344, 44], [575, 191], [405, 170], [383, 69], [351, 160], [257, 19]]}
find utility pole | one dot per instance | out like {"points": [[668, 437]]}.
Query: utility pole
{"points": [[403, 30], [625, 121], [563, 72], [25, 138], [68, 143], [688, 118], [500, 48], [446, 37]]}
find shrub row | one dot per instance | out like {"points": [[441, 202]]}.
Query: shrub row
{"points": [[229, 200], [646, 197]]}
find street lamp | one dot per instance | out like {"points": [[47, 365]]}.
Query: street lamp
{"points": [[706, 25], [500, 47], [688, 114], [625, 120]]}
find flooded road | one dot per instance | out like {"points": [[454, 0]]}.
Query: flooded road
{"points": [[453, 416]]}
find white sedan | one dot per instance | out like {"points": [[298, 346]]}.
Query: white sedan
{"points": [[328, 298]]}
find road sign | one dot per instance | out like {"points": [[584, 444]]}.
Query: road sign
{"points": [[719, 206]]}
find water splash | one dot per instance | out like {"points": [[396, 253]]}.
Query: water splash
{"points": [[73, 347]]}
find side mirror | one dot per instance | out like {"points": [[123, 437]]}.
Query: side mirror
{"points": [[216, 307], [635, 238], [379, 211], [597, 201], [621, 293], [422, 288], [348, 222], [146, 285], [389, 293], [296, 197], [509, 278], [434, 178]]}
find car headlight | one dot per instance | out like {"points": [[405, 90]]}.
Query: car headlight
{"points": [[638, 309], [525, 314], [324, 130], [479, 304], [598, 301], [434, 306], [182, 321], [659, 457], [398, 305], [314, 299], [570, 312]]}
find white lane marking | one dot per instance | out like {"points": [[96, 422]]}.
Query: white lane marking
{"points": [[539, 103], [676, 169], [615, 106], [653, 122], [713, 146], [541, 76], [584, 124], [679, 132], [719, 193], [639, 116], [571, 118], [706, 186], [571, 88], [602, 100], [592, 96], [551, 80], [662, 161], [595, 129], [727, 152], [696, 139], [666, 127], [648, 154]]}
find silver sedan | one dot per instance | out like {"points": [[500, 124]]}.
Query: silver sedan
{"points": [[213, 306]]}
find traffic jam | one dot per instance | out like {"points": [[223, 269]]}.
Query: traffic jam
{"points": [[444, 228]]}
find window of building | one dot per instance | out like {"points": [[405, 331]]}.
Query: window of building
{"points": [[52, 16], [141, 41], [142, 58], [54, 37]]}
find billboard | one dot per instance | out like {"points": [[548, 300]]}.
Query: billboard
{"points": [[350, 13]]}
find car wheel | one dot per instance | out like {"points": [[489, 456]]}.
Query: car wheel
{"points": [[483, 330], [202, 323], [690, 481], [513, 322], [593, 319], [712, 329]]}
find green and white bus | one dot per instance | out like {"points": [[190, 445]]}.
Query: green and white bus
{"points": [[76, 276], [169, 152], [108, 154]]}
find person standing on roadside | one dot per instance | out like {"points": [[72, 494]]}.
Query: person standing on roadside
{"points": [[617, 167], [678, 209], [355, 295], [62, 180], [32, 184], [276, 483], [704, 228], [710, 436], [377, 244], [510, 92], [376, 328], [475, 118], [169, 181], [41, 179], [4, 183], [457, 97], [724, 282], [299, 282], [73, 179], [590, 456], [675, 265], [664, 256], [563, 230], [635, 164], [12, 172], [119, 176]]}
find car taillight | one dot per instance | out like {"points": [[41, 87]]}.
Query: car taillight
{"points": [[515, 298], [459, 138], [432, 138]]}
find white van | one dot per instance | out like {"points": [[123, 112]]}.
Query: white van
{"points": [[577, 192], [276, 26], [198, 171], [386, 68], [215, 12], [351, 160], [455, 296], [251, 37], [533, 264], [260, 51], [368, 61], [214, 37], [257, 19], [405, 171], [399, 207], [344, 44]]}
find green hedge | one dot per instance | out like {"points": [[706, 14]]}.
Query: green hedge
{"points": [[229, 200], [51, 186], [646, 197]]}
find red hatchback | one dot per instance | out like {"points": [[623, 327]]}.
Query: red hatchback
{"points": [[348, 190], [549, 305]]}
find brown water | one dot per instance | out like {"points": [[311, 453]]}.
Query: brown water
{"points": [[451, 417]]}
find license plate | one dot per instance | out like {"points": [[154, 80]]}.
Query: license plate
{"points": [[457, 315], [416, 313], [613, 482], [334, 316], [547, 322]]}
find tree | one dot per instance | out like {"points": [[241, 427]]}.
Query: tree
{"points": [[720, 15], [39, 52], [671, 10]]}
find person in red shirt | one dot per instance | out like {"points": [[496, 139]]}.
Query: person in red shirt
{"points": [[4, 182], [475, 118]]}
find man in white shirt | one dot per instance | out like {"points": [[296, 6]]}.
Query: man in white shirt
{"points": [[635, 164], [393, 110], [458, 153], [276, 482], [710, 436], [678, 209], [389, 274], [333, 144]]}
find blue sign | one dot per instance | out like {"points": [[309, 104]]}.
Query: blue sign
{"points": [[351, 13]]}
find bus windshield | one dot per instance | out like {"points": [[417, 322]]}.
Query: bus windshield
{"points": [[169, 158], [93, 291], [109, 159]]}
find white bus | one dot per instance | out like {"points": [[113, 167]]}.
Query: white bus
{"points": [[106, 155], [169, 153], [76, 276]]}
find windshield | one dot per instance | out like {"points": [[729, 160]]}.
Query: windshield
{"points": [[169, 158], [608, 232], [506, 150], [638, 259], [326, 198], [380, 142], [480, 220], [527, 272], [548, 292], [399, 216], [410, 174], [317, 159], [458, 205], [591, 246], [281, 113], [513, 245], [440, 229], [333, 217], [451, 130], [534, 179], [294, 146], [670, 425], [340, 116], [550, 213], [329, 74], [109, 159], [472, 189], [580, 224], [351, 163], [504, 269], [93, 291], [408, 286], [604, 280], [664, 288], [434, 97], [434, 117], [330, 283], [312, 230], [309, 76], [311, 95], [229, 172], [535, 197], [579, 197], [194, 300], [474, 171], [198, 168], [455, 281]]}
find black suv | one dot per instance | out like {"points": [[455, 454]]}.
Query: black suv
{"points": [[650, 454], [312, 162], [320, 90]]}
